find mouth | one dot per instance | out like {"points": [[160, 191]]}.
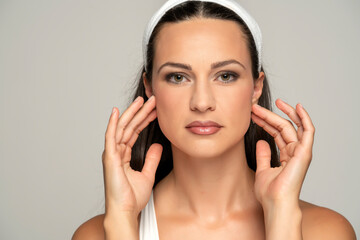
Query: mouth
{"points": [[204, 128]]}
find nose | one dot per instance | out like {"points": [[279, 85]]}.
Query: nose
{"points": [[202, 98]]}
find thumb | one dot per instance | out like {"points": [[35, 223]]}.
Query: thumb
{"points": [[152, 160], [263, 155]]}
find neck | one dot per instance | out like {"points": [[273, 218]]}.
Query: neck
{"points": [[212, 188]]}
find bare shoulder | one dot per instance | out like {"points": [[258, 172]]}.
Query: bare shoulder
{"points": [[323, 223], [93, 229]]}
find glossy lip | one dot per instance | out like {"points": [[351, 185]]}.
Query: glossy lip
{"points": [[203, 128], [203, 124]]}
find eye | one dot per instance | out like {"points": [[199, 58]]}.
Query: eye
{"points": [[175, 78], [227, 77]]}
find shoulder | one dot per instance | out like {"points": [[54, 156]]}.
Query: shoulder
{"points": [[93, 229], [323, 223]]}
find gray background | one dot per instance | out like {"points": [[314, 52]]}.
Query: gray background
{"points": [[65, 64]]}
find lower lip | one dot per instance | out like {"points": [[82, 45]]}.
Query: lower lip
{"points": [[204, 130]]}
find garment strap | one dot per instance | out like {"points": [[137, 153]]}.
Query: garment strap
{"points": [[148, 225]]}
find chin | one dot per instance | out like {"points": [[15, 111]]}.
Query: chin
{"points": [[203, 150]]}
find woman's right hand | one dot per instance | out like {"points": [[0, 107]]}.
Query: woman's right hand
{"points": [[126, 190]]}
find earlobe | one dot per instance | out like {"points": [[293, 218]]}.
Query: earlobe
{"points": [[148, 89], [258, 87]]}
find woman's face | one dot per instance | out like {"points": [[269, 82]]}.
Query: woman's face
{"points": [[202, 72]]}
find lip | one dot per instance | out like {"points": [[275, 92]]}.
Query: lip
{"points": [[204, 128], [203, 124]]}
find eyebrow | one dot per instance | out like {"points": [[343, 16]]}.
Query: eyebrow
{"points": [[213, 65]]}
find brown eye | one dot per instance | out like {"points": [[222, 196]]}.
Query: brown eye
{"points": [[228, 77], [175, 78], [225, 77], [178, 78]]}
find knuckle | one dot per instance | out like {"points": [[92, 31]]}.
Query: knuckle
{"points": [[130, 128], [311, 129], [289, 123], [298, 124], [275, 134], [137, 131], [106, 157]]}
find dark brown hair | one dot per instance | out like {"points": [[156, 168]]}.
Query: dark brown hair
{"points": [[152, 133]]}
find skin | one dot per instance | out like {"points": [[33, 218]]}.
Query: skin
{"points": [[211, 192]]}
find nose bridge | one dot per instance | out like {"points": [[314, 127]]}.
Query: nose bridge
{"points": [[202, 97]]}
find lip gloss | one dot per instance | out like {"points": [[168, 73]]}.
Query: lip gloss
{"points": [[204, 130]]}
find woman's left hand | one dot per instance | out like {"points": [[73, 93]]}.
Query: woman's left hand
{"points": [[282, 184]]}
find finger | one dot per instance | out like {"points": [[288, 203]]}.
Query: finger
{"points": [[110, 131], [286, 129], [291, 112], [126, 117], [309, 129], [271, 130], [152, 160], [151, 117], [137, 120], [125, 159], [263, 156]]}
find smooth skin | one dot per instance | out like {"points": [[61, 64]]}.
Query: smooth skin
{"points": [[211, 193]]}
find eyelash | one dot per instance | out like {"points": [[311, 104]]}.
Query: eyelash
{"points": [[170, 75]]}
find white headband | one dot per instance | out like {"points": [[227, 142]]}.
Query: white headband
{"points": [[230, 4]]}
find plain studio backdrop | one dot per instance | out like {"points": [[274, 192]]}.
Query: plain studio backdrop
{"points": [[64, 65]]}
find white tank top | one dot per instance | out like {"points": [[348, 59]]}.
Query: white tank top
{"points": [[148, 226]]}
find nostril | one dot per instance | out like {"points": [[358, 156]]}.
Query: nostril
{"points": [[203, 105]]}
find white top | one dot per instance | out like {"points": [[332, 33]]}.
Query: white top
{"points": [[148, 226]]}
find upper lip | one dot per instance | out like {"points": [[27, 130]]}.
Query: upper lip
{"points": [[203, 124]]}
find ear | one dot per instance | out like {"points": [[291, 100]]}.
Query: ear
{"points": [[148, 88], [258, 87]]}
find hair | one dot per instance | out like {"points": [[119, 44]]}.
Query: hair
{"points": [[153, 134]]}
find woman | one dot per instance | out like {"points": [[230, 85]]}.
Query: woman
{"points": [[209, 171]]}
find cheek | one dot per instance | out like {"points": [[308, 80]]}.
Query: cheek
{"points": [[236, 105], [168, 110]]}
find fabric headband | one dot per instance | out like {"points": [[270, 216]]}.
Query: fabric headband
{"points": [[230, 4]]}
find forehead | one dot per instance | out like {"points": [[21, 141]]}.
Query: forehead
{"points": [[201, 40]]}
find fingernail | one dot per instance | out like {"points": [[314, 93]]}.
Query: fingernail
{"points": [[113, 111], [151, 98], [137, 99]]}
